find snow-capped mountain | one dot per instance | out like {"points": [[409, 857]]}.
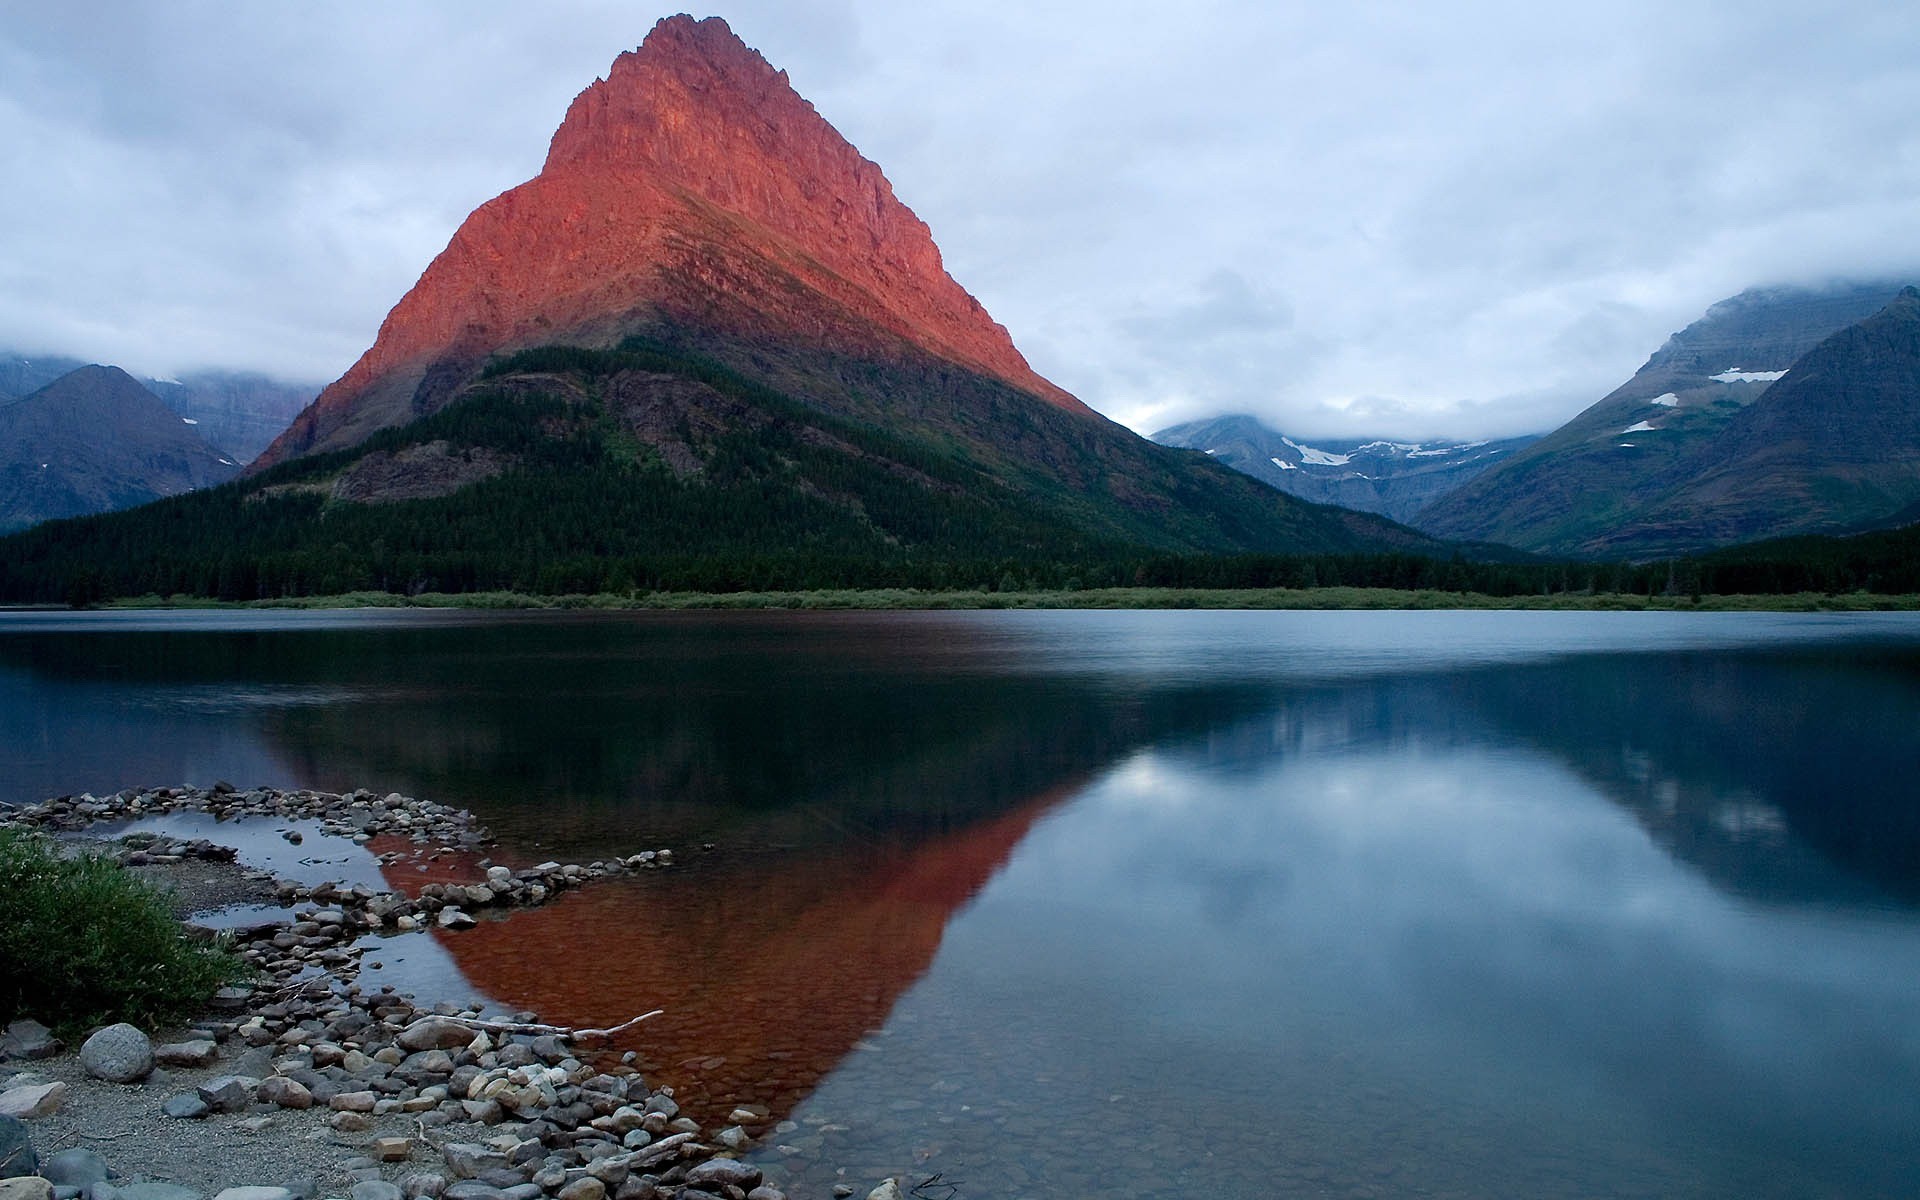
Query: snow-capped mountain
{"points": [[1395, 478]]}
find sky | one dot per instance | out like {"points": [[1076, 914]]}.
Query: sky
{"points": [[1412, 220]]}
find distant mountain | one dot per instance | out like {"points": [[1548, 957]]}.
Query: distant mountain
{"points": [[93, 441], [1394, 477], [1591, 487], [237, 411]]}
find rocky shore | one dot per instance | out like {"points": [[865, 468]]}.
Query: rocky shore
{"points": [[305, 1083]]}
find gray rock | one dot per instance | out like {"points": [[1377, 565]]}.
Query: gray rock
{"points": [[354, 1102], [424, 1186], [118, 1054], [721, 1172], [435, 1033], [229, 1093], [255, 1193], [16, 1149], [452, 918], [186, 1106], [584, 1188], [888, 1190], [375, 1189], [522, 1191], [468, 1159], [25, 1187], [151, 1190], [28, 1039], [766, 1193], [33, 1101], [77, 1167], [197, 1053], [733, 1137], [470, 1189]]}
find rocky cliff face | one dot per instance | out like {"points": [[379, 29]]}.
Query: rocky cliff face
{"points": [[1579, 490], [691, 190], [94, 441]]}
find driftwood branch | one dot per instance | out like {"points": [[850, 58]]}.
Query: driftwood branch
{"points": [[535, 1027]]}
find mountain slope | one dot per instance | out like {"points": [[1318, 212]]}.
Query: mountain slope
{"points": [[1394, 478], [1575, 490], [93, 441], [1834, 446]]}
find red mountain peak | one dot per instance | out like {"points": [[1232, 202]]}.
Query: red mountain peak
{"points": [[691, 185]]}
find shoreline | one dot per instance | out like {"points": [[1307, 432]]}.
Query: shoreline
{"points": [[310, 1079], [1135, 598]]}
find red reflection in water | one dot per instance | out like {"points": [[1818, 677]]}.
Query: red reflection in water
{"points": [[771, 969]]}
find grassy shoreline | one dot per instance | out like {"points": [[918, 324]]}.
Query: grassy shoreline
{"points": [[881, 599]]}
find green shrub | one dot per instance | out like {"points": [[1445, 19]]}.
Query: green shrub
{"points": [[84, 943]]}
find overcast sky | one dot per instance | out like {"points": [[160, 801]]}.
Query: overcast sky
{"points": [[1417, 219]]}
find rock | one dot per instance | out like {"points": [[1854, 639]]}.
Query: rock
{"points": [[435, 1033], [889, 1190], [349, 1122], [76, 1168], [256, 1193], [471, 1189], [723, 1172], [197, 1053], [354, 1102], [584, 1188], [28, 1039], [766, 1193], [842, 1190], [33, 1101], [284, 1092], [452, 918], [733, 1137], [16, 1149], [229, 1093], [375, 1189], [25, 1187], [186, 1106], [468, 1159], [392, 1149], [118, 1054], [424, 1186], [231, 998]]}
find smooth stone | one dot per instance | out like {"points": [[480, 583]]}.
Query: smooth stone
{"points": [[350, 1122], [118, 1054], [255, 1193], [16, 1149], [766, 1193], [33, 1101], [435, 1033], [229, 1093], [353, 1102], [392, 1149], [584, 1188], [76, 1168], [284, 1092], [522, 1191], [453, 918], [468, 1159], [25, 1187], [186, 1106], [888, 1190], [425, 1186], [470, 1189], [375, 1189], [724, 1172], [196, 1053]]}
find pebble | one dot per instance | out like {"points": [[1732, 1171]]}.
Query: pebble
{"points": [[186, 1106], [26, 1187]]}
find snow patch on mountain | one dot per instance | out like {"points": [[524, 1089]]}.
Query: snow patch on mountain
{"points": [[1318, 458], [1283, 464], [1736, 375], [1667, 401], [1638, 427]]}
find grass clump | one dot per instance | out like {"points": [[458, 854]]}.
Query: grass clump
{"points": [[84, 943]]}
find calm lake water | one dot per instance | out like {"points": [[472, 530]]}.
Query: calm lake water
{"points": [[1139, 904]]}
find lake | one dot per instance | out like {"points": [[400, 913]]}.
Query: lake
{"points": [[1141, 904]]}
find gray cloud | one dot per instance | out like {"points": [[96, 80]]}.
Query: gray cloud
{"points": [[1384, 218]]}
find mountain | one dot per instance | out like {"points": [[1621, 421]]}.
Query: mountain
{"points": [[238, 411], [1392, 477], [1832, 447], [93, 441], [705, 348], [692, 203], [1581, 490]]}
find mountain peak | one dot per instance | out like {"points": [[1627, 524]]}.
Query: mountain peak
{"points": [[691, 190]]}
